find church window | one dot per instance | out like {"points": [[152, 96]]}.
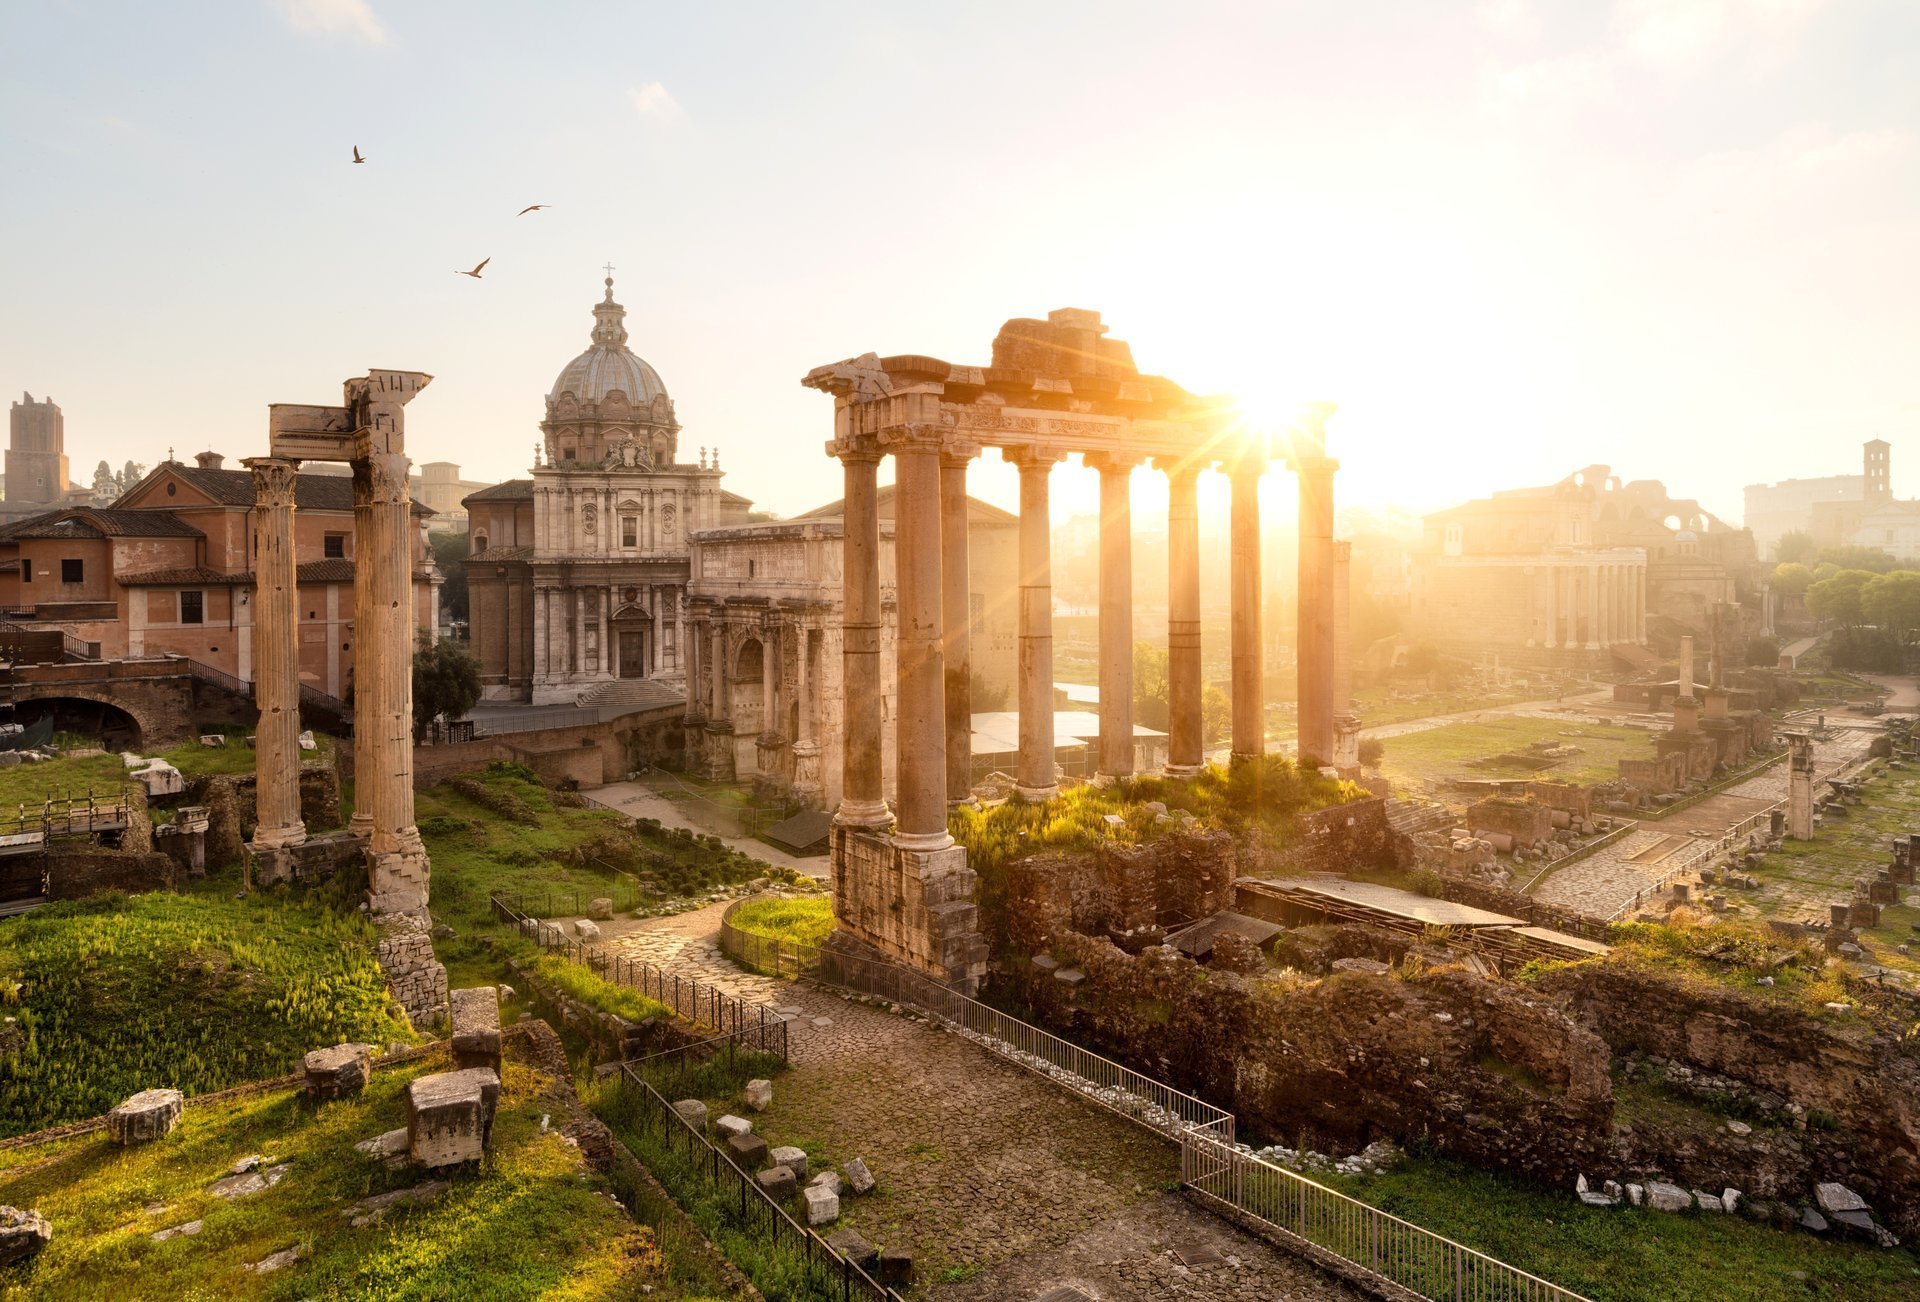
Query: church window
{"points": [[566, 454], [479, 543], [334, 546], [629, 531], [73, 570], [750, 568], [192, 608]]}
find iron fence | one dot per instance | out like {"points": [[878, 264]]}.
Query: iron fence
{"points": [[695, 1001], [753, 1209], [1306, 1214], [1694, 858]]}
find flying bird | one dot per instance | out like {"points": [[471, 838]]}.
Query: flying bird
{"points": [[475, 273], [356, 155], [532, 207]]}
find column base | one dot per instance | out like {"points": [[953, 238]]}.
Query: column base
{"points": [[912, 906], [398, 880], [863, 815], [1182, 770], [277, 838], [1036, 795], [923, 842], [360, 824]]}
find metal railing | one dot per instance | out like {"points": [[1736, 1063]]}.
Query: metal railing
{"points": [[1309, 1215], [68, 815], [695, 1001], [830, 1273], [1694, 858]]}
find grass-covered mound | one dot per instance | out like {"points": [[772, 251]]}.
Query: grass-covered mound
{"points": [[117, 994], [532, 1221], [804, 920]]}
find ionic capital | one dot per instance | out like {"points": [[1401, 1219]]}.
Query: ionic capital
{"points": [[911, 438], [856, 450], [956, 453], [274, 479], [1117, 462], [1030, 457]]}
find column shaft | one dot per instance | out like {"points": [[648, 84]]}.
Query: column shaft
{"points": [[1116, 617], [1314, 644], [1553, 606], [1036, 780], [1249, 686], [368, 646], [390, 594], [1590, 578], [862, 800], [920, 736], [1186, 738], [956, 611], [276, 651]]}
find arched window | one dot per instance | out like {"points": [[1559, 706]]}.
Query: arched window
{"points": [[479, 543]]}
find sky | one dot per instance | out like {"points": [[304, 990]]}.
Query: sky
{"points": [[1509, 239]]}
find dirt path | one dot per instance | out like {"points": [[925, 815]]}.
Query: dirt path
{"points": [[637, 800]]}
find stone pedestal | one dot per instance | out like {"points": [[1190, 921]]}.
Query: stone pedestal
{"points": [[450, 1116], [717, 764], [1346, 745], [912, 906], [1800, 787], [807, 789], [147, 1116], [337, 1072]]}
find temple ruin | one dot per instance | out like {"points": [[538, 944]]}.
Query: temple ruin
{"points": [[1053, 388]]}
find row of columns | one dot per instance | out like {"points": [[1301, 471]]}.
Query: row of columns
{"points": [[1593, 604], [932, 600], [562, 617], [710, 695]]}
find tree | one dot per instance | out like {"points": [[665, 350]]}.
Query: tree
{"points": [[1372, 751], [984, 697], [130, 474], [1870, 559], [1150, 690], [1216, 714], [1837, 599], [1795, 545], [105, 487], [1792, 579], [446, 682], [1892, 601], [450, 558]]}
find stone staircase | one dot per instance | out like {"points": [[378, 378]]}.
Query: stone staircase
{"points": [[1411, 817], [638, 692]]}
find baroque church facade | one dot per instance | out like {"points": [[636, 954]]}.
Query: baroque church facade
{"points": [[577, 577]]}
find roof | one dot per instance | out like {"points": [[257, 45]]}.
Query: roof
{"points": [[101, 522], [1197, 939], [976, 509], [187, 576], [804, 831], [511, 490], [608, 364], [1392, 901], [311, 492]]}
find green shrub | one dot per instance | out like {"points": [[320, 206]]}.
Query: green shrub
{"points": [[796, 922]]}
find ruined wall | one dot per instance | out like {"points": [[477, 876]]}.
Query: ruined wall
{"points": [[589, 754], [1526, 822], [914, 907], [1338, 839], [75, 872], [1119, 889]]}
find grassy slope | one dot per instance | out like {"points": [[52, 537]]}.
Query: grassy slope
{"points": [[1630, 1256], [1446, 752], [530, 1222], [117, 994], [804, 921]]}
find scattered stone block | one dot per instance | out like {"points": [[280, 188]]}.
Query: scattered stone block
{"points": [[859, 1179], [853, 1245], [213, 739], [587, 929], [758, 1095], [337, 1072], [391, 1144], [896, 1267], [370, 1210], [1812, 1221], [777, 1183], [1730, 1200], [794, 1159], [147, 1116], [278, 1261], [1071, 976], [823, 1204], [1708, 1202], [176, 1231], [1045, 962], [1838, 1198], [827, 1179], [693, 1112], [1637, 1194], [1370, 966], [1664, 1197], [748, 1151], [730, 1125], [1739, 1128], [23, 1232], [475, 1016], [600, 909], [450, 1116], [243, 1183]]}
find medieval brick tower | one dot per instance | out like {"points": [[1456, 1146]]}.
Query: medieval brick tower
{"points": [[36, 452]]}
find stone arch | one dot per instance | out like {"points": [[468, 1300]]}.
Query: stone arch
{"points": [[121, 724], [747, 659]]}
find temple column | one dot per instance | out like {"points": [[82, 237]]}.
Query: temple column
{"points": [[1342, 648], [369, 647], [1607, 605], [1036, 778], [1590, 576], [862, 799], [655, 661], [806, 751], [956, 612], [1640, 604], [920, 733], [690, 631], [1185, 739], [1116, 611], [1552, 606], [1249, 686], [276, 651], [1314, 647], [397, 858]]}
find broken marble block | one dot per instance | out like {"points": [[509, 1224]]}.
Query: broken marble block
{"points": [[337, 1072], [777, 1183], [600, 909], [1664, 1197], [827, 1179], [475, 1014], [146, 1116], [859, 1179], [730, 1125], [794, 1159], [748, 1151], [693, 1112], [853, 1245], [758, 1095], [896, 1267], [823, 1205], [587, 929], [450, 1116], [23, 1232]]}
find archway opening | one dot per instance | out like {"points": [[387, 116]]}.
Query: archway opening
{"points": [[115, 728]]}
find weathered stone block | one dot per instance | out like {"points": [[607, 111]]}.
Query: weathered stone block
{"points": [[1664, 1197], [747, 1151], [823, 1205], [1838, 1198], [475, 1014], [587, 929], [23, 1232], [146, 1116], [777, 1183], [794, 1159], [693, 1112], [450, 1116], [758, 1095], [853, 1245], [337, 1072], [600, 909], [827, 1179], [730, 1125], [859, 1179], [896, 1267]]}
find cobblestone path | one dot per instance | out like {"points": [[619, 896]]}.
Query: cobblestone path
{"points": [[986, 1172], [1608, 879]]}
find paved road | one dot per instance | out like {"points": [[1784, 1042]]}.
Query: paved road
{"points": [[637, 800], [986, 1172]]}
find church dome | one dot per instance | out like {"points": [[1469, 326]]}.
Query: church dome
{"points": [[609, 364]]}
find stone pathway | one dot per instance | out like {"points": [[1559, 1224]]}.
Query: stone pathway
{"points": [[986, 1172], [637, 800], [1608, 879]]}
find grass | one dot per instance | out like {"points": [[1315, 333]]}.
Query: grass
{"points": [[106, 774], [591, 988], [1450, 751], [1625, 1255], [807, 920], [531, 1221], [115, 994]]}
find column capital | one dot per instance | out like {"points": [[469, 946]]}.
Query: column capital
{"points": [[1115, 462], [911, 437], [380, 479], [855, 451], [273, 480], [1028, 457], [956, 453], [1178, 468]]}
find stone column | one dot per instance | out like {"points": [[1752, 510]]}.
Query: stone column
{"points": [[1186, 738], [396, 857], [276, 651], [1246, 648], [719, 765], [1314, 643], [1590, 576], [1640, 604], [770, 681], [956, 613], [920, 738], [806, 751], [368, 649], [691, 630], [1342, 645], [1799, 786], [1553, 606], [862, 799], [1036, 779], [1116, 611]]}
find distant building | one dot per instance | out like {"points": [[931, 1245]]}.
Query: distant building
{"points": [[439, 487], [1876, 518], [1791, 505], [36, 461]]}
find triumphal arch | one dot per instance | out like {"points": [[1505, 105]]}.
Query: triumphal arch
{"points": [[1054, 388]]}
